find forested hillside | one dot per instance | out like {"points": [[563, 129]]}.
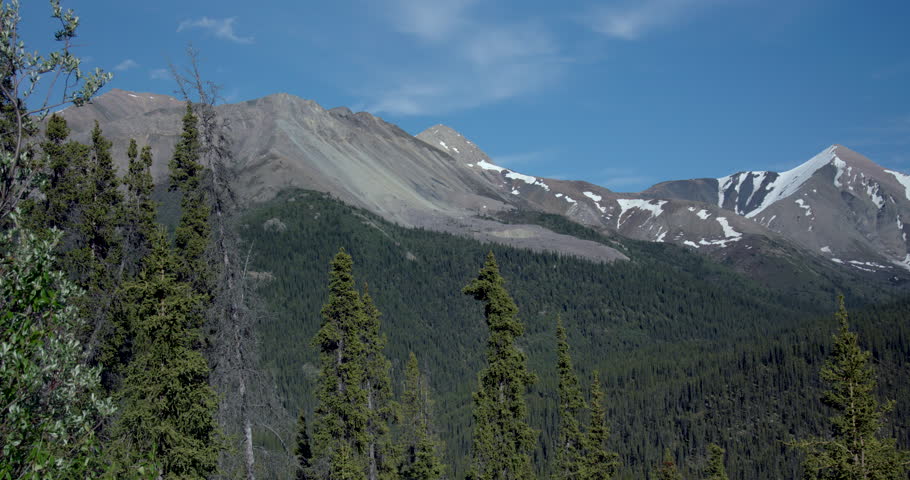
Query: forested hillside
{"points": [[688, 351]]}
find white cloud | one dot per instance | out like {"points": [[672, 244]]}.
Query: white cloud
{"points": [[126, 65], [633, 20], [159, 74], [430, 19], [470, 62], [221, 28]]}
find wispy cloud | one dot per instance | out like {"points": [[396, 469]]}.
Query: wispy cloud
{"points": [[222, 28], [625, 179], [471, 61], [430, 19], [126, 65], [633, 20], [159, 74]]}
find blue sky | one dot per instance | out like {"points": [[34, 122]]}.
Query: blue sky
{"points": [[619, 93]]}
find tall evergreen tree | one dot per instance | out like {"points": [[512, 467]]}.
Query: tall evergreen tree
{"points": [[95, 260], [168, 405], [601, 463], [716, 470], [340, 435], [503, 440], [138, 220], [378, 385], [64, 165], [854, 450], [140, 209], [193, 230], [570, 449], [302, 449], [667, 469], [420, 447]]}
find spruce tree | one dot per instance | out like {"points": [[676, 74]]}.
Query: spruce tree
{"points": [[600, 462], [420, 447], [302, 449], [667, 469], [570, 448], [716, 470], [854, 450], [168, 405], [138, 219], [378, 385], [193, 230], [95, 259], [62, 160], [340, 435], [503, 440], [140, 209]]}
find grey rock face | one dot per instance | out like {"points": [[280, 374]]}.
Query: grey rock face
{"points": [[839, 205]]}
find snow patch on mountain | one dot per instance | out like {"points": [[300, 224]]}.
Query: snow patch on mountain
{"points": [[729, 232], [805, 206], [489, 166], [593, 196], [787, 183], [703, 214], [874, 192], [903, 179], [839, 164], [513, 175], [626, 204]]}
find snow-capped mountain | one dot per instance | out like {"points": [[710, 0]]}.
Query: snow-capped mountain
{"points": [[839, 204], [838, 208]]}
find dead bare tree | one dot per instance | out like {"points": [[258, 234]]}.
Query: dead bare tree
{"points": [[248, 398]]}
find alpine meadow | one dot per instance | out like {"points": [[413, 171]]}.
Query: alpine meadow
{"points": [[205, 284]]}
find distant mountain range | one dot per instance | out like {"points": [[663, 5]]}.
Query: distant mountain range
{"points": [[839, 210]]}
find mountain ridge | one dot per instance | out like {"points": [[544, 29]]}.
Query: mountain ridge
{"points": [[441, 180]]}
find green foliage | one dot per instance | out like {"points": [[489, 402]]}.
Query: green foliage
{"points": [[503, 441], [716, 470], [302, 448], [168, 405], [193, 231], [140, 209], [600, 462], [378, 385], [419, 445], [346, 426], [854, 450], [688, 351], [51, 402], [570, 446], [21, 72], [667, 469]]}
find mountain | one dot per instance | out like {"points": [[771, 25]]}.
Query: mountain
{"points": [[839, 204], [281, 141], [839, 210]]}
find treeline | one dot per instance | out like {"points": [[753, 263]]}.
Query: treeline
{"points": [[143, 302], [688, 352]]}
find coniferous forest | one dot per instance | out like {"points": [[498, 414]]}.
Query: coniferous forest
{"points": [[170, 331]]}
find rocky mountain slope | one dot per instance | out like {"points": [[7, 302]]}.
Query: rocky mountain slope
{"points": [[281, 141], [838, 208], [839, 204]]}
